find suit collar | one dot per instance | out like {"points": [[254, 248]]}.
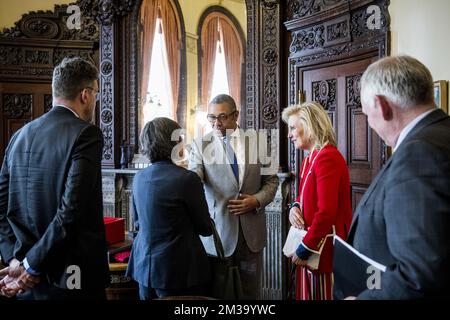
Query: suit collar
{"points": [[434, 116], [63, 107]]}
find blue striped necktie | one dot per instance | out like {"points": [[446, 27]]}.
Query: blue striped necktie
{"points": [[232, 157]]}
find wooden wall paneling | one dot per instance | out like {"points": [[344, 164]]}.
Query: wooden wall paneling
{"points": [[19, 104], [28, 53], [331, 45]]}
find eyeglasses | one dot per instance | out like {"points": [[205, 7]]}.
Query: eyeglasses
{"points": [[221, 117], [97, 95]]}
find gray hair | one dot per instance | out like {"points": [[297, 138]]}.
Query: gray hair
{"points": [[71, 76], [156, 139], [403, 80], [224, 98]]}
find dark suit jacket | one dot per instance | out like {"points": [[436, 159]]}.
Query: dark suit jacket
{"points": [[51, 199], [171, 213], [403, 220]]}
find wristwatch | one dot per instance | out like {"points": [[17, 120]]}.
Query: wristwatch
{"points": [[294, 204]]}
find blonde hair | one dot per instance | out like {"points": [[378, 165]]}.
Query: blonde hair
{"points": [[315, 121]]}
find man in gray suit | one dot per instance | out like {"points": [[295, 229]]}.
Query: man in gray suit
{"points": [[403, 220], [235, 189]]}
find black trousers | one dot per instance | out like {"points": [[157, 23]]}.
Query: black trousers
{"points": [[146, 293], [45, 291]]}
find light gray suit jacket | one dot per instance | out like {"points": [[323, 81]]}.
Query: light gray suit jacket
{"points": [[208, 159]]}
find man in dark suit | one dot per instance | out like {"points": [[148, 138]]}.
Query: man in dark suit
{"points": [[51, 223], [403, 220]]}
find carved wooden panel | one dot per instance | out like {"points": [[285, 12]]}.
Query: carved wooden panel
{"points": [[28, 53], [325, 92], [39, 41], [19, 104], [357, 193], [119, 64], [48, 102], [263, 65], [359, 135], [358, 152], [305, 8], [16, 106], [334, 40]]}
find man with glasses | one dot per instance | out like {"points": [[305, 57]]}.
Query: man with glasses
{"points": [[51, 217], [235, 190]]}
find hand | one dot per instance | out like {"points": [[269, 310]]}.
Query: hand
{"points": [[297, 261], [296, 218], [14, 279], [245, 203]]}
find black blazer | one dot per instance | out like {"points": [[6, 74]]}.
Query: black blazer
{"points": [[171, 214], [403, 220], [51, 199]]}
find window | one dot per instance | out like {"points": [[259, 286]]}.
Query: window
{"points": [[162, 64], [220, 79], [158, 102], [222, 55]]}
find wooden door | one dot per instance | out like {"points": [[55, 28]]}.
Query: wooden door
{"points": [[337, 88], [19, 104]]}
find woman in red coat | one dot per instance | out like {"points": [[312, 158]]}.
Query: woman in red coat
{"points": [[323, 203]]}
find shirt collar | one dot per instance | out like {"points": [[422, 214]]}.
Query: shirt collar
{"points": [[71, 110], [410, 126], [235, 133]]}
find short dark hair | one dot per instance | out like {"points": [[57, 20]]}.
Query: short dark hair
{"points": [[71, 76], [156, 139], [224, 98]]}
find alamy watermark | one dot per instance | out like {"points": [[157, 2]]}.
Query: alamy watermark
{"points": [[374, 280], [374, 19], [250, 147], [74, 20], [73, 281]]}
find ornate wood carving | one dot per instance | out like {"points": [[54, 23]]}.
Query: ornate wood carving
{"points": [[264, 98], [325, 93], [28, 53], [16, 105], [51, 25], [33, 59], [119, 67], [345, 36], [107, 69], [110, 15], [48, 102], [308, 39], [303, 8], [353, 93], [263, 67]]}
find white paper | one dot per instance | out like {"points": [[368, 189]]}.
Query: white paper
{"points": [[293, 240]]}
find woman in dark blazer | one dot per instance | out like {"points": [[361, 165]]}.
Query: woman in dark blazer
{"points": [[168, 258], [323, 203]]}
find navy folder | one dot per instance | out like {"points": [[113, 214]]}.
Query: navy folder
{"points": [[351, 270]]}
